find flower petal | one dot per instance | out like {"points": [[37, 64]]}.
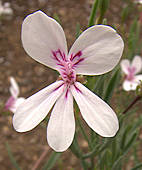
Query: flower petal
{"points": [[61, 126], [41, 36], [98, 114], [14, 89], [125, 64], [101, 48], [16, 104], [138, 78], [137, 63], [35, 108], [130, 85]]}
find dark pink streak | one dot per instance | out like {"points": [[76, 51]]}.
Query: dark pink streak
{"points": [[59, 56], [76, 55], [58, 87], [55, 56], [77, 89], [9, 102], [62, 55], [66, 95], [81, 59]]}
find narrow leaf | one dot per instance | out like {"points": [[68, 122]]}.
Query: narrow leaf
{"points": [[12, 159], [111, 86], [93, 13], [52, 160]]}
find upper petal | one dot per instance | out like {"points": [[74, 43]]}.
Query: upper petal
{"points": [[35, 108], [61, 126], [138, 78], [16, 104], [14, 89], [98, 114], [125, 64], [137, 63], [101, 48], [41, 36]]}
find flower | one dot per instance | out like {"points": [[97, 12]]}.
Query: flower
{"points": [[131, 80], [95, 52], [5, 9], [138, 1], [14, 101]]}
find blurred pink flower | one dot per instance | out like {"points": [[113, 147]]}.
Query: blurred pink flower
{"points": [[14, 101], [95, 52], [130, 70]]}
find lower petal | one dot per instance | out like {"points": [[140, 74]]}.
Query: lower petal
{"points": [[130, 85], [61, 126], [35, 108], [98, 114]]}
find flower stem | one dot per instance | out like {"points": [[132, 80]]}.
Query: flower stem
{"points": [[44, 153], [131, 104]]}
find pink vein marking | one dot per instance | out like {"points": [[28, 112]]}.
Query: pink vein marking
{"points": [[58, 87], [77, 89], [55, 56], [76, 55], [81, 59], [61, 54], [58, 55], [66, 95]]}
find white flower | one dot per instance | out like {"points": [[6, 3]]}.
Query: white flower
{"points": [[95, 52], [14, 101], [5, 9], [138, 1], [130, 70]]}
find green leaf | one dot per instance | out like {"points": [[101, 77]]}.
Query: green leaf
{"points": [[111, 86], [52, 160], [103, 6], [125, 151], [75, 148], [104, 21], [56, 17], [97, 149], [137, 167], [78, 31], [93, 13], [12, 159], [84, 133], [124, 136], [133, 39], [99, 85], [131, 142], [124, 13]]}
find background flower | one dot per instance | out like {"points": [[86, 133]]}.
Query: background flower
{"points": [[130, 70]]}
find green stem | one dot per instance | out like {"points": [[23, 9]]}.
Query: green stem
{"points": [[93, 13], [100, 20]]}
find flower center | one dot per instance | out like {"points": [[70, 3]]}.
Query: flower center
{"points": [[131, 71], [67, 65], [67, 72]]}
